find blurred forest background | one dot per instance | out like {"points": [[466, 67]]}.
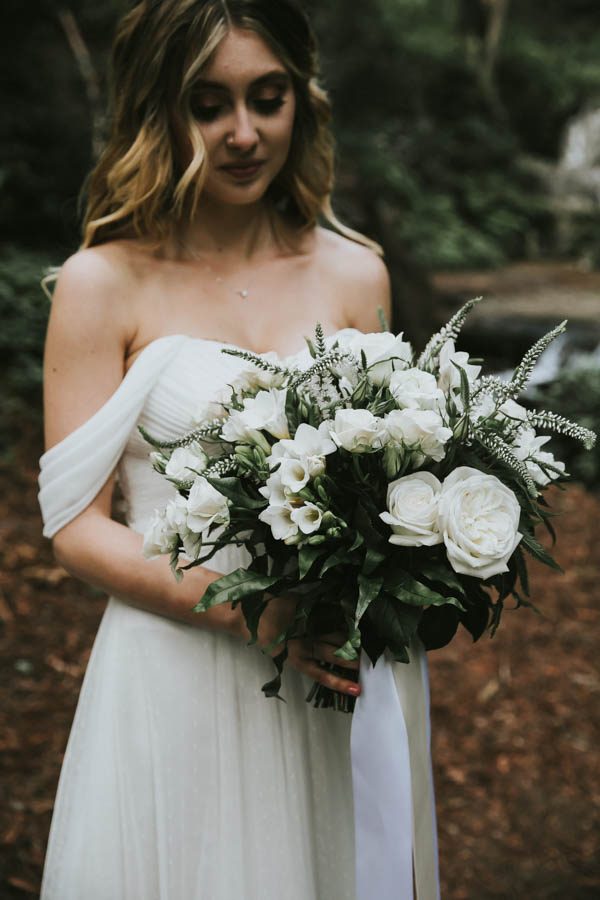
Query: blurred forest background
{"points": [[469, 145]]}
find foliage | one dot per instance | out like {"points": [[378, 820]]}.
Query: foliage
{"points": [[23, 312], [576, 393]]}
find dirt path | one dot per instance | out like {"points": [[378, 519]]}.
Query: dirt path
{"points": [[515, 726]]}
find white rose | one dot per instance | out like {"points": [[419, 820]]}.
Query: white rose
{"points": [[357, 430], [186, 462], [307, 517], [527, 449], [385, 352], [412, 503], [416, 389], [479, 521], [280, 519], [205, 505], [449, 375], [422, 431]]}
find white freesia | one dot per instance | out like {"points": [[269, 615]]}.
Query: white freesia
{"points": [[274, 490], [385, 352], [479, 521], [357, 430], [294, 474], [264, 412], [307, 517], [483, 408], [205, 506], [449, 375], [186, 462], [307, 442], [513, 411], [280, 519], [412, 503], [415, 389], [422, 431], [527, 448]]}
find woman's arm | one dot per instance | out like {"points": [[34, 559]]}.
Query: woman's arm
{"points": [[89, 331]]}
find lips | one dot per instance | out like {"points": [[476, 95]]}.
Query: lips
{"points": [[242, 171]]}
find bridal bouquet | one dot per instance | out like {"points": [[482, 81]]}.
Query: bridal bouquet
{"points": [[391, 494]]}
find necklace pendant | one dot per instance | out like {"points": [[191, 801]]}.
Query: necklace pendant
{"points": [[243, 293]]}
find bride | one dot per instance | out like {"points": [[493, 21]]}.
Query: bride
{"points": [[180, 780]]}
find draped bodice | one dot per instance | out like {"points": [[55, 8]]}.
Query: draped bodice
{"points": [[172, 380]]}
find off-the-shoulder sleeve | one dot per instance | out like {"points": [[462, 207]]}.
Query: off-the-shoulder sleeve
{"points": [[75, 470]]}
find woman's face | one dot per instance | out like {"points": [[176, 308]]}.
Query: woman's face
{"points": [[244, 105]]}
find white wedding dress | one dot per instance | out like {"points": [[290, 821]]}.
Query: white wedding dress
{"points": [[181, 781]]}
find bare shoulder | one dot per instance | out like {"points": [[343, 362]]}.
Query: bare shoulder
{"points": [[93, 285], [360, 274]]}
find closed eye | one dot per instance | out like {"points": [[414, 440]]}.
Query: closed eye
{"points": [[263, 106]]}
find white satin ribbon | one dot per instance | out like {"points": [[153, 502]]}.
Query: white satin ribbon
{"points": [[390, 725]]}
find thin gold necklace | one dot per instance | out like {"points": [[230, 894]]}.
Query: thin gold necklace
{"points": [[244, 292]]}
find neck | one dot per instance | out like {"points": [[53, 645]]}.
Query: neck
{"points": [[238, 233]]}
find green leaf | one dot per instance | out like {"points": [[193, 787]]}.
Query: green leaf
{"points": [[231, 488], [233, 587], [253, 608], [438, 626], [364, 525], [372, 560], [271, 688], [368, 590], [339, 557], [395, 622], [538, 552], [306, 557], [407, 589], [437, 571], [358, 542]]}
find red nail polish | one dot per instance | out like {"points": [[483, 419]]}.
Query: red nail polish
{"points": [[354, 690]]}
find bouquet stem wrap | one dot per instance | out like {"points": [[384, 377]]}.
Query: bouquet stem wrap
{"points": [[394, 805]]}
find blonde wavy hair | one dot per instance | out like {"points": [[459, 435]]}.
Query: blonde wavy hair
{"points": [[139, 187]]}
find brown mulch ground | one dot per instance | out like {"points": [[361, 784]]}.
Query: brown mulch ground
{"points": [[515, 729]]}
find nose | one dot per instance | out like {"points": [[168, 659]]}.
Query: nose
{"points": [[244, 136]]}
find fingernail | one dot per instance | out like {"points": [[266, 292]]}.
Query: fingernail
{"points": [[354, 690]]}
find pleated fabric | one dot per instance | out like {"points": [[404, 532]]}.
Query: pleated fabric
{"points": [[180, 781]]}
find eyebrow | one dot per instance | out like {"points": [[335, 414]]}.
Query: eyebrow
{"points": [[274, 75]]}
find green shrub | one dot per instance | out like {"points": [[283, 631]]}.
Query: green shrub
{"points": [[24, 310]]}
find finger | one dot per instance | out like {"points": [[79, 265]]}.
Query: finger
{"points": [[326, 652], [328, 679]]}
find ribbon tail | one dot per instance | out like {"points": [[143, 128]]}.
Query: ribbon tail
{"points": [[381, 781], [392, 777]]}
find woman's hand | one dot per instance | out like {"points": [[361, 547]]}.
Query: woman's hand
{"points": [[304, 654]]}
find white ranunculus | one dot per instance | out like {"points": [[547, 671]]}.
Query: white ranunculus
{"points": [[422, 431], [385, 352], [513, 411], [307, 517], [186, 462], [205, 505], [415, 389], [161, 535], [527, 448], [449, 376], [482, 408], [479, 521], [357, 430], [280, 519], [412, 503], [253, 379]]}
